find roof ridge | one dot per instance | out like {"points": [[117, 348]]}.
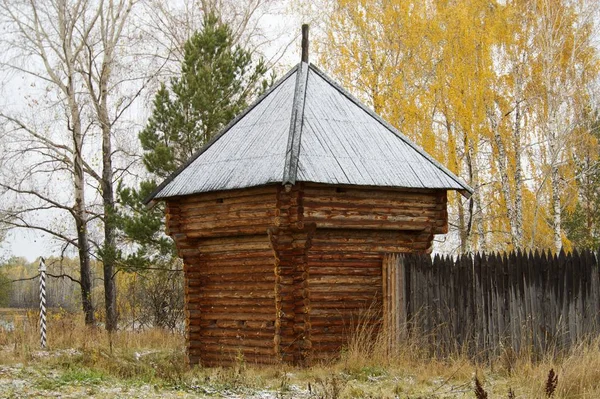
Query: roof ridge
{"points": [[468, 191], [292, 153], [147, 201]]}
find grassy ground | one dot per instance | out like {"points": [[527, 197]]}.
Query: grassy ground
{"points": [[86, 362]]}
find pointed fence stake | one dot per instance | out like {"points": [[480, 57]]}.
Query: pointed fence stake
{"points": [[42, 270]]}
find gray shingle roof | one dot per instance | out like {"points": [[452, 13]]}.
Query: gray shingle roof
{"points": [[307, 128]]}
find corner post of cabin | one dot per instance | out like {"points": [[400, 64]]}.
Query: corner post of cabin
{"points": [[187, 250], [290, 240]]}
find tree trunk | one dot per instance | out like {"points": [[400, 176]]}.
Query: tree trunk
{"points": [[556, 208], [79, 210], [110, 251], [475, 207], [112, 22], [108, 199], [518, 210], [517, 148], [504, 182], [463, 230]]}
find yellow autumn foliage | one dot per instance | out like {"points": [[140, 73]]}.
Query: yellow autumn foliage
{"points": [[495, 90]]}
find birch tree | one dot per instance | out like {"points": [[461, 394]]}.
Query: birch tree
{"points": [[43, 44], [564, 64], [98, 67], [506, 113], [90, 80]]}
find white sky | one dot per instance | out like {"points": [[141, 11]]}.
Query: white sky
{"points": [[27, 244]]}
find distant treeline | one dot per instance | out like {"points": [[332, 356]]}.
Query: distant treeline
{"points": [[147, 298], [21, 287]]}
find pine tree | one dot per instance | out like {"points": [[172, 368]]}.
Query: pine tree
{"points": [[217, 82]]}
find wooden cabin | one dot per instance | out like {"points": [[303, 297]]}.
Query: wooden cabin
{"points": [[283, 221]]}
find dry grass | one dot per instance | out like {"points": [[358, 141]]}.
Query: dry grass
{"points": [[366, 368], [71, 345]]}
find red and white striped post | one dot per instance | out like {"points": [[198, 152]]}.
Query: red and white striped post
{"points": [[42, 303]]}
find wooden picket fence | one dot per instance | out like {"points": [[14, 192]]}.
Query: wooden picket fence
{"points": [[488, 303]]}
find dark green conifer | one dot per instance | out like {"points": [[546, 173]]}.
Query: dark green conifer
{"points": [[218, 80]]}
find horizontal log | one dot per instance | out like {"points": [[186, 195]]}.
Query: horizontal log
{"points": [[208, 349], [253, 294], [319, 190], [372, 212], [348, 313], [349, 303], [258, 225], [234, 342], [314, 256], [232, 268], [231, 286], [226, 195], [221, 332], [260, 215], [231, 278], [263, 302], [208, 310], [188, 253], [257, 238], [371, 295], [342, 289], [237, 266], [231, 316], [369, 235], [366, 248], [319, 321], [428, 204], [341, 280], [232, 231], [443, 229], [265, 202], [214, 258], [348, 268], [186, 226], [364, 224], [247, 325]]}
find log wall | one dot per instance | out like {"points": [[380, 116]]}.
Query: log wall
{"points": [[285, 273], [355, 229], [376, 208], [229, 279]]}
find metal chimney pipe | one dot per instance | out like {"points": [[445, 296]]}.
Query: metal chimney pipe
{"points": [[305, 43]]}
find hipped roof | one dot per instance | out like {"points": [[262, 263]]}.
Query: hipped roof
{"points": [[307, 128]]}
